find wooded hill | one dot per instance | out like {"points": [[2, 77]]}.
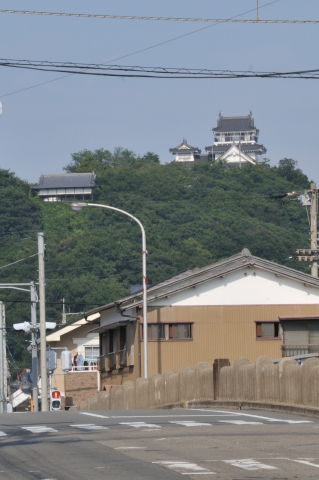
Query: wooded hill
{"points": [[193, 216]]}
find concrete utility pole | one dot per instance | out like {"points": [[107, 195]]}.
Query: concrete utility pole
{"points": [[313, 226], [43, 357], [34, 348], [1, 361]]}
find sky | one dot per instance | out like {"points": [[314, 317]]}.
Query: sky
{"points": [[42, 125]]}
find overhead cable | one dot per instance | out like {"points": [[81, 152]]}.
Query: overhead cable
{"points": [[145, 48], [152, 72], [174, 19]]}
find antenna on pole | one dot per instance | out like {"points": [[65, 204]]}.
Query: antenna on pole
{"points": [[257, 11]]}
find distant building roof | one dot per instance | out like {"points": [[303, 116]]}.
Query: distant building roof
{"points": [[184, 147], [244, 147], [66, 180], [235, 124]]}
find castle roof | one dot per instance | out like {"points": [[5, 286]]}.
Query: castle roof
{"points": [[184, 147], [244, 147], [235, 124]]}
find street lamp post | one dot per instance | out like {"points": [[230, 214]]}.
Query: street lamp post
{"points": [[76, 206]]}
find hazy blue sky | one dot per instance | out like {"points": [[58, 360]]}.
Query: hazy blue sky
{"points": [[42, 126]]}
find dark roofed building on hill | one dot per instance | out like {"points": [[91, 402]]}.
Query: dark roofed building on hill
{"points": [[236, 140], [185, 152], [67, 186]]}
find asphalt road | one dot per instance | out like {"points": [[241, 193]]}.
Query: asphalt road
{"points": [[158, 444]]}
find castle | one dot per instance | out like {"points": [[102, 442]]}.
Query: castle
{"points": [[235, 142]]}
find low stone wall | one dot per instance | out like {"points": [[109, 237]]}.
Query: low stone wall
{"points": [[252, 384], [171, 389], [262, 381]]}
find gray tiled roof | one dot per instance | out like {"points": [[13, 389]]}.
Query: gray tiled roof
{"points": [[244, 147], [197, 276], [66, 180], [235, 124], [180, 149]]}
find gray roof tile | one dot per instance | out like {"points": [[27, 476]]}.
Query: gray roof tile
{"points": [[66, 180]]}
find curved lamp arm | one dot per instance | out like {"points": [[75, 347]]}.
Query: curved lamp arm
{"points": [[76, 207]]}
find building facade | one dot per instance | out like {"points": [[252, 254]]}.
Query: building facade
{"points": [[67, 186], [230, 309], [235, 142]]}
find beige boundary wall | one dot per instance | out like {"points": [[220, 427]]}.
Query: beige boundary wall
{"points": [[262, 382]]}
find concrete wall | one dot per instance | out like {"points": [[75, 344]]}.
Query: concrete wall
{"points": [[262, 381]]}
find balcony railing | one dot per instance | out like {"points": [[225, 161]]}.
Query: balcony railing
{"points": [[292, 350], [88, 366], [123, 358], [111, 361]]}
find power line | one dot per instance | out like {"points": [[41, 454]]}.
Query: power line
{"points": [[22, 259], [174, 19], [144, 49], [152, 72]]}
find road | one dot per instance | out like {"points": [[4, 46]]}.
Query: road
{"points": [[158, 445]]}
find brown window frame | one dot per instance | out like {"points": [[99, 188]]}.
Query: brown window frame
{"points": [[169, 332], [259, 330]]}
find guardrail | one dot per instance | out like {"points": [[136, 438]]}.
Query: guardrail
{"points": [[294, 350]]}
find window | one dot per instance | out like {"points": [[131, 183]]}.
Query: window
{"points": [[111, 341], [179, 331], [155, 332], [267, 329], [122, 338], [92, 352], [169, 331]]}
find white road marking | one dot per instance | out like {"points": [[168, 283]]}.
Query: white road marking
{"points": [[93, 415], [89, 426], [249, 464], [191, 423], [171, 416], [185, 468], [297, 421], [266, 418], [2, 434], [130, 448], [141, 425], [37, 429], [304, 462], [240, 422]]}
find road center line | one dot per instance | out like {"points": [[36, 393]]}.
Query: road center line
{"points": [[304, 462], [93, 415]]}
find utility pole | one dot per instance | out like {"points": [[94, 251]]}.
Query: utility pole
{"points": [[313, 226], [5, 363], [63, 311], [43, 358], [34, 348], [1, 361]]}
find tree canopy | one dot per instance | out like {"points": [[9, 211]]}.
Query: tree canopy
{"points": [[192, 215]]}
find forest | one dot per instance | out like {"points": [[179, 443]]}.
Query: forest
{"points": [[193, 216]]}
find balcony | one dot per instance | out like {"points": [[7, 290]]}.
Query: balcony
{"points": [[111, 361], [294, 350], [123, 358]]}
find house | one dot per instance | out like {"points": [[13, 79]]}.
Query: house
{"points": [[186, 153], [236, 141], [234, 308], [82, 381], [67, 186]]}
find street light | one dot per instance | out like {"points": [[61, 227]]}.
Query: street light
{"points": [[76, 207]]}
